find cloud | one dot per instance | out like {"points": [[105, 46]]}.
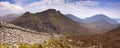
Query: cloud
{"points": [[6, 7], [60, 5], [87, 3], [65, 6], [80, 8]]}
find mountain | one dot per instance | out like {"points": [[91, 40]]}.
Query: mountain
{"points": [[9, 17], [102, 21], [115, 32], [118, 20], [100, 17], [51, 21], [90, 27], [74, 18], [12, 34]]}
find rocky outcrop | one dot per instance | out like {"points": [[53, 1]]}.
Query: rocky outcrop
{"points": [[12, 34]]}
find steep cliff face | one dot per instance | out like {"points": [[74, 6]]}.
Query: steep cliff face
{"points": [[12, 34]]}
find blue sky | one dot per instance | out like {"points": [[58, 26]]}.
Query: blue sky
{"points": [[30, 1], [79, 8], [11, 1]]}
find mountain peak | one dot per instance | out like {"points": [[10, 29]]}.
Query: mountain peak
{"points": [[100, 15], [27, 12], [51, 11]]}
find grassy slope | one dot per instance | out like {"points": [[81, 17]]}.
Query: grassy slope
{"points": [[107, 40]]}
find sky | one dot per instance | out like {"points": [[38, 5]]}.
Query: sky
{"points": [[79, 8]]}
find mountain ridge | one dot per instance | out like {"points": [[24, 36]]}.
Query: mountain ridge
{"points": [[98, 17], [103, 22], [74, 18], [51, 21]]}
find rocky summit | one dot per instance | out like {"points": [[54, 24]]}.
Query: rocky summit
{"points": [[12, 34], [49, 20]]}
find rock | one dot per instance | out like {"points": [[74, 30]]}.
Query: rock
{"points": [[12, 34]]}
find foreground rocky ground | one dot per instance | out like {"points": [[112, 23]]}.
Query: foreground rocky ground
{"points": [[12, 34]]}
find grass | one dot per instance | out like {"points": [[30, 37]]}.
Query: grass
{"points": [[19, 46], [52, 43]]}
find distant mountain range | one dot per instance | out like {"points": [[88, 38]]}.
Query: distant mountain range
{"points": [[100, 17], [95, 18], [101, 21]]}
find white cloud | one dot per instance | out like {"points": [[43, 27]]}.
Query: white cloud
{"points": [[78, 8], [87, 3], [60, 5], [6, 7], [65, 6]]}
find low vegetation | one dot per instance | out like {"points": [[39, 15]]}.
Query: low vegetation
{"points": [[52, 43]]}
